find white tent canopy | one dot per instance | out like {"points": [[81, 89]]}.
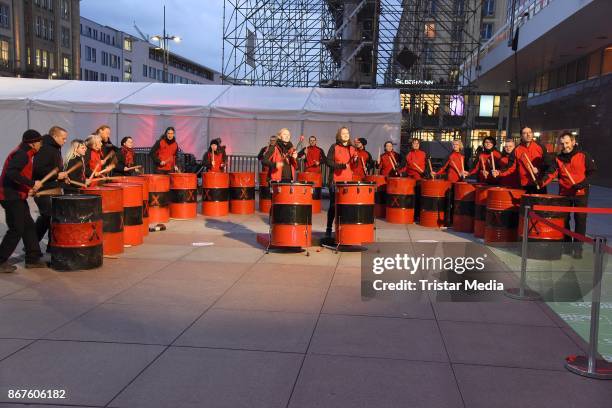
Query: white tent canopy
{"points": [[244, 117]]}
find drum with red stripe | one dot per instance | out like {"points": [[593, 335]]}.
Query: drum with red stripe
{"points": [[76, 236], [132, 212], [242, 193], [112, 217], [400, 200], [545, 242], [145, 197], [354, 213], [435, 199], [215, 194], [183, 195], [480, 209], [502, 215], [317, 180], [159, 198], [463, 206], [291, 215], [380, 196], [265, 194]]}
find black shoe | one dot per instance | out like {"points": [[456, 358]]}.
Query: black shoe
{"points": [[7, 268], [35, 264], [577, 253], [328, 233]]}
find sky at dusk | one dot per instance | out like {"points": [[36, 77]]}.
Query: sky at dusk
{"points": [[199, 23]]}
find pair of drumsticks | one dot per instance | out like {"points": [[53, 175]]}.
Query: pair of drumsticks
{"points": [[55, 171]]}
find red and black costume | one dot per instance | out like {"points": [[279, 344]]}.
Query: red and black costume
{"points": [[508, 174], [262, 154], [483, 162], [281, 152], [93, 160], [453, 167], [524, 154], [415, 165], [363, 164], [79, 175], [339, 158], [574, 171], [15, 184], [389, 164], [314, 157], [165, 150], [125, 159]]}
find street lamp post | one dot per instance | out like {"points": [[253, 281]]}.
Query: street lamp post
{"points": [[163, 45]]}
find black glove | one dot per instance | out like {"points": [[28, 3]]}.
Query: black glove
{"points": [[579, 186]]}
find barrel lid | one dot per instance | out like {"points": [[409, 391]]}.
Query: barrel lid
{"points": [[292, 183], [76, 197], [355, 183]]}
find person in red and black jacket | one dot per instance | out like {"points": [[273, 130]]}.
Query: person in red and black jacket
{"points": [[104, 132], [313, 156], [483, 164], [76, 155], [94, 157], [263, 151], [215, 159], [389, 161], [364, 162], [339, 158], [574, 168], [282, 159], [164, 152], [507, 174], [16, 185], [48, 158], [531, 159], [125, 158], [454, 166], [415, 162]]}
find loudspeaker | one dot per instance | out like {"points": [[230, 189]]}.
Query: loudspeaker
{"points": [[406, 58]]}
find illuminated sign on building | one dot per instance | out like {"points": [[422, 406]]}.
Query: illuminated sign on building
{"points": [[413, 82]]}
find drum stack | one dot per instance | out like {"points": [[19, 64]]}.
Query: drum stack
{"points": [[159, 198], [435, 199], [502, 215], [354, 213], [463, 206], [317, 180], [545, 242], [132, 212], [265, 194], [112, 217], [291, 215], [183, 196], [242, 193], [215, 194], [380, 196], [400, 200]]}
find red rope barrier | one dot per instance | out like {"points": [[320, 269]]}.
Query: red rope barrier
{"points": [[589, 210], [572, 234]]}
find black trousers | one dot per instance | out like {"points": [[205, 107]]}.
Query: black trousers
{"points": [[580, 219], [20, 226], [331, 211], [43, 222]]}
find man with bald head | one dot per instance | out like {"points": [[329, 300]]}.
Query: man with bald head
{"points": [[530, 162]]}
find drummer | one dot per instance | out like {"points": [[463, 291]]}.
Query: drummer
{"points": [[215, 159], [508, 173], [75, 155], [486, 161], [125, 158], [93, 158], [48, 158], [339, 158], [164, 152], [454, 166], [415, 161], [388, 162], [364, 163], [282, 158], [262, 153], [313, 156], [104, 132]]}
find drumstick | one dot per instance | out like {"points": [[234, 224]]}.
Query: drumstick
{"points": [[568, 174], [49, 175], [365, 170], [53, 191], [392, 161], [456, 169], [417, 167], [529, 168], [492, 162], [73, 168], [433, 176], [76, 183], [95, 171], [110, 155], [462, 168], [132, 168], [484, 164]]}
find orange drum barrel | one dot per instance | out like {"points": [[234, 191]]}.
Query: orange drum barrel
{"points": [[354, 212], [480, 209], [215, 194], [291, 214], [317, 180], [242, 193], [502, 215], [435, 203], [463, 206], [145, 198], [159, 198], [380, 196], [132, 212], [544, 242], [265, 195], [400, 200], [76, 232], [112, 217], [183, 195]]}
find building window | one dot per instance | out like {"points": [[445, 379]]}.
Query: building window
{"points": [[45, 58], [29, 52], [93, 55], [4, 16], [144, 70], [594, 64], [51, 61], [95, 34], [488, 8], [45, 33], [87, 53], [89, 32], [127, 44], [65, 9], [114, 78], [105, 58], [51, 5], [151, 72], [37, 57], [127, 74], [4, 52], [606, 67], [486, 31], [66, 65], [51, 30], [430, 30], [65, 37], [103, 77], [37, 27]]}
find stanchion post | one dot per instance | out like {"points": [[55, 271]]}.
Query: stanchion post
{"points": [[522, 293], [590, 365]]}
